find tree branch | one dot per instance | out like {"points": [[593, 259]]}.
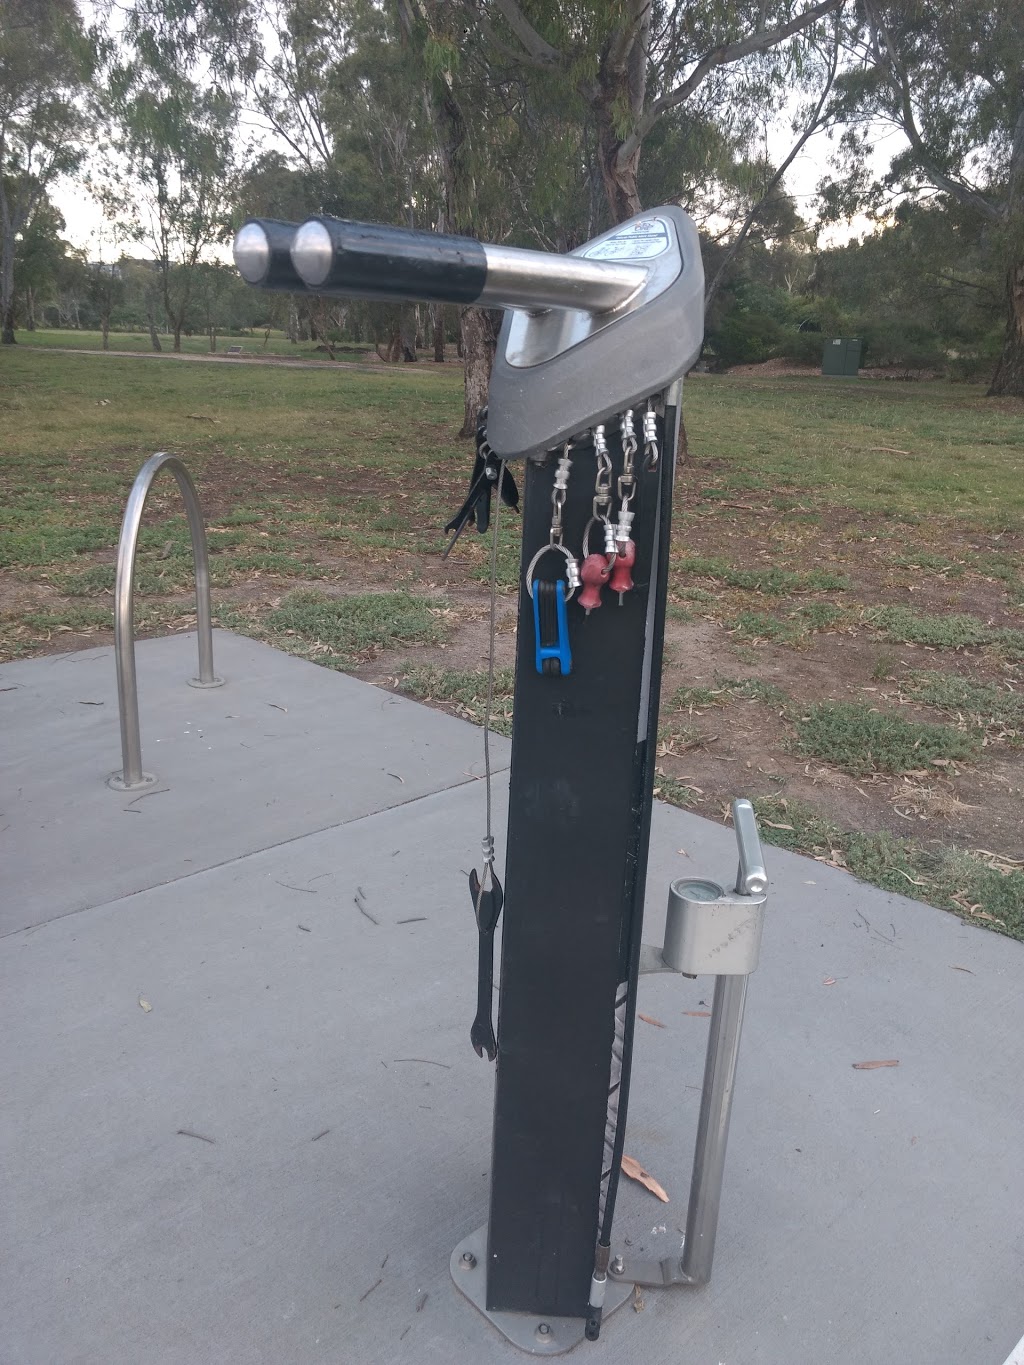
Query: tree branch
{"points": [[724, 55], [897, 76], [813, 123], [538, 49]]}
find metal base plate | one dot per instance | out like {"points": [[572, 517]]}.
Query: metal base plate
{"points": [[198, 682], [116, 780], [541, 1336]]}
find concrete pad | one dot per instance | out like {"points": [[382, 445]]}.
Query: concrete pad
{"points": [[285, 747], [869, 1216]]}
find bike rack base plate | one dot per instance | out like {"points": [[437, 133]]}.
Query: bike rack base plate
{"points": [[116, 780], [536, 1333]]}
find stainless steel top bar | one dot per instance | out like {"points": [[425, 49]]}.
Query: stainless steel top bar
{"points": [[336, 257], [539, 279]]}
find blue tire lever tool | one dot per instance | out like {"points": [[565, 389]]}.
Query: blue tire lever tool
{"points": [[609, 329]]}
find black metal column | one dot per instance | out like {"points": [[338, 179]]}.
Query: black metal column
{"points": [[579, 818]]}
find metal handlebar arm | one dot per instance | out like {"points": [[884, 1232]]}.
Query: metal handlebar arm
{"points": [[339, 258], [586, 335]]}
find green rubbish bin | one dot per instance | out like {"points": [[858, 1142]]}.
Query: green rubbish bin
{"points": [[841, 357]]}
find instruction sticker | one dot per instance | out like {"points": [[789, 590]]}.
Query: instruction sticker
{"points": [[639, 241]]}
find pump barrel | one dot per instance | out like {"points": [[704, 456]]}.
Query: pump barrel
{"points": [[339, 258]]}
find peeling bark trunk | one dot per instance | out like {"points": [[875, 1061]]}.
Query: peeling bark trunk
{"points": [[438, 315], [1008, 380], [622, 83], [7, 337], [407, 334], [619, 178], [479, 330], [154, 339]]}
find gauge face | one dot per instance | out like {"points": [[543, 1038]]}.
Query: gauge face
{"points": [[637, 241]]}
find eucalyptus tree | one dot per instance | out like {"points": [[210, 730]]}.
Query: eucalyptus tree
{"points": [[46, 57], [172, 150], [948, 77], [634, 62]]}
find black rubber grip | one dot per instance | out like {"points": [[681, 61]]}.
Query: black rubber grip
{"points": [[280, 273], [400, 263]]}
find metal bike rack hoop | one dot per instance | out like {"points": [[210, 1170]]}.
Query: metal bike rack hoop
{"points": [[131, 775]]}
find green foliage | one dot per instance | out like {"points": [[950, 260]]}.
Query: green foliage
{"points": [[677, 793], [859, 740], [759, 626], [980, 891], [338, 630], [46, 58], [465, 691], [979, 703], [956, 631], [727, 690], [746, 338], [775, 582], [52, 544]]}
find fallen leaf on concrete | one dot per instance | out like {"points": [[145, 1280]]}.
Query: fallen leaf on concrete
{"points": [[872, 1066], [698, 1014], [278, 708], [145, 1004], [955, 968], [829, 981], [632, 1168], [649, 1019]]}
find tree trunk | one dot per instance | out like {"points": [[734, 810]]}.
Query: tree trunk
{"points": [[293, 321], [154, 339], [621, 84], [213, 338], [479, 330], [619, 179], [438, 313], [407, 333], [105, 327], [7, 337], [177, 334], [30, 309], [1008, 380]]}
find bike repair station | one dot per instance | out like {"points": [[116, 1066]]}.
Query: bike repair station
{"points": [[324, 1008], [586, 394]]}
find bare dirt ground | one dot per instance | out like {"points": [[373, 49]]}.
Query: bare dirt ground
{"points": [[738, 747]]}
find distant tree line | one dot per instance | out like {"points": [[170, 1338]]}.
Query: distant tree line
{"points": [[533, 124]]}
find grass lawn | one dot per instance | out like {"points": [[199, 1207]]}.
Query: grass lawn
{"points": [[846, 633], [256, 344]]}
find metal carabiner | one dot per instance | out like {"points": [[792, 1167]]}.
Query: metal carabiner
{"points": [[572, 570]]}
